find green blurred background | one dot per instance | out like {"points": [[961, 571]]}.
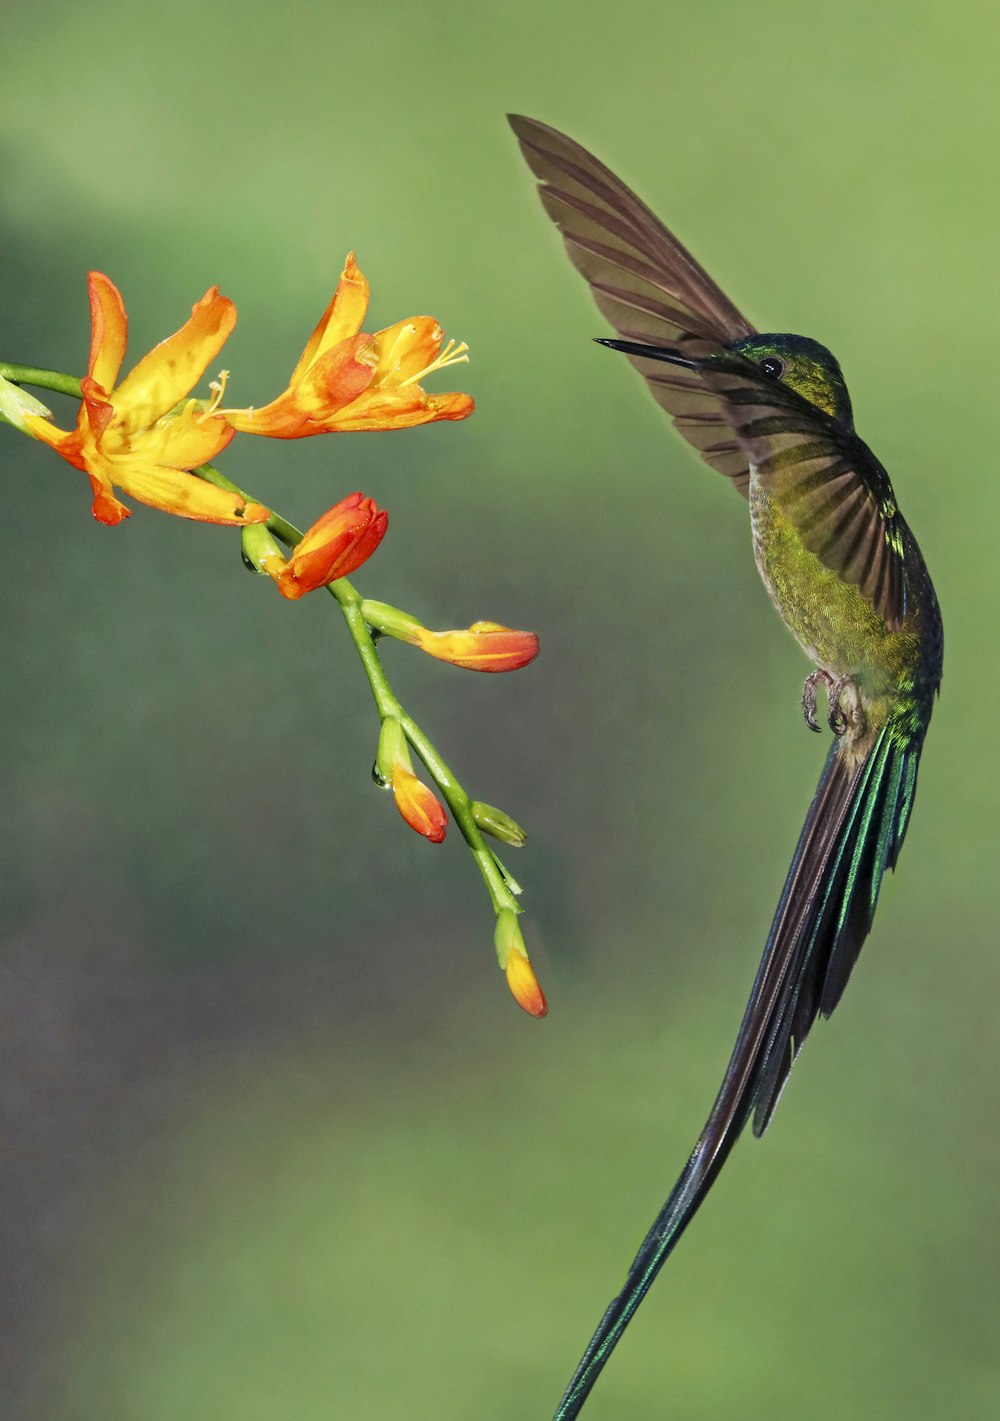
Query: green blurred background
{"points": [[277, 1144]]}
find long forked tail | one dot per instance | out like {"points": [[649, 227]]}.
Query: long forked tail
{"points": [[852, 834]]}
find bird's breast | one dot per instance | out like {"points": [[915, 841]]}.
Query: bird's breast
{"points": [[831, 619]]}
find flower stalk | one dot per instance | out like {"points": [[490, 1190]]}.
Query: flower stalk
{"points": [[142, 436], [463, 807]]}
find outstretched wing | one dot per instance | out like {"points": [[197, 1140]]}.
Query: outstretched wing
{"points": [[647, 285], [825, 480]]}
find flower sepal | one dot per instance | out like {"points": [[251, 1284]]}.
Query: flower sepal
{"points": [[16, 403], [261, 551]]}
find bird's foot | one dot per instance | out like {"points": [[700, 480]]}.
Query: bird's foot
{"points": [[845, 706], [818, 677], [842, 695]]}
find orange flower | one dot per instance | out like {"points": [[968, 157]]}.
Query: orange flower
{"points": [[346, 380], [335, 545], [421, 809], [485, 646], [131, 436]]}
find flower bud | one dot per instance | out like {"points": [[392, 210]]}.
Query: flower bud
{"points": [[513, 958], [494, 821], [336, 545], [421, 809], [485, 646], [393, 768]]}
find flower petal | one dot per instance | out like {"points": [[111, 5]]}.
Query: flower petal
{"points": [[108, 330], [401, 409], [63, 441], [341, 319], [173, 491], [406, 349], [171, 369], [312, 405], [181, 441], [105, 507]]}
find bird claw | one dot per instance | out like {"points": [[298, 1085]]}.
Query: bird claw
{"points": [[842, 697], [809, 696]]}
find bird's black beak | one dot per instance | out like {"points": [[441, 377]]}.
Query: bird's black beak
{"points": [[649, 352]]}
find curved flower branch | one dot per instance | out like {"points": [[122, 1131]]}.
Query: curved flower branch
{"points": [[146, 436]]}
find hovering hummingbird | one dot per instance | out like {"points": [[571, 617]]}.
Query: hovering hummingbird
{"points": [[772, 413]]}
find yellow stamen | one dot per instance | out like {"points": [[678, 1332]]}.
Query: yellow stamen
{"points": [[218, 389], [452, 354]]}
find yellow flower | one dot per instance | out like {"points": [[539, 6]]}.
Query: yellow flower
{"points": [[131, 436], [346, 380]]}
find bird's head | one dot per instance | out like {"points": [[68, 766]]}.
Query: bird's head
{"points": [[804, 366]]}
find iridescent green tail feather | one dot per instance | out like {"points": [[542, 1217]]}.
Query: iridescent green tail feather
{"points": [[852, 834]]}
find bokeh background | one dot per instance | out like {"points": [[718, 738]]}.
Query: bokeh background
{"points": [[276, 1142]]}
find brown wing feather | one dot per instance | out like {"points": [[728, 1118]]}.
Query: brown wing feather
{"points": [[647, 285], [825, 479]]}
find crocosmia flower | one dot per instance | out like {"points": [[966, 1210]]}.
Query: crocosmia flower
{"points": [[132, 435], [346, 380], [335, 546]]}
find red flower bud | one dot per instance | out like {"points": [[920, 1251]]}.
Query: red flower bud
{"points": [[336, 545]]}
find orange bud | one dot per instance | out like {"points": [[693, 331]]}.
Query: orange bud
{"points": [[485, 646], [524, 986], [336, 545], [419, 807]]}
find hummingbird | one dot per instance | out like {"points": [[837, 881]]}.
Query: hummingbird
{"points": [[773, 414]]}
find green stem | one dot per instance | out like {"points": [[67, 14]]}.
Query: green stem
{"points": [[44, 379], [388, 704]]}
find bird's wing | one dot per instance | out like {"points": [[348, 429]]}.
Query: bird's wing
{"points": [[824, 479], [647, 285]]}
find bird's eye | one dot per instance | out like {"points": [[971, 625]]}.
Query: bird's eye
{"points": [[772, 367]]}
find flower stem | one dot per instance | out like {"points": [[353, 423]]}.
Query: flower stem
{"points": [[44, 379], [388, 704]]}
